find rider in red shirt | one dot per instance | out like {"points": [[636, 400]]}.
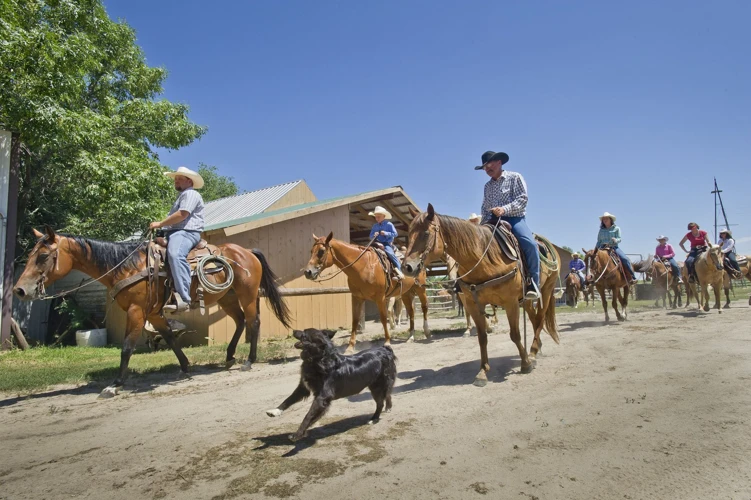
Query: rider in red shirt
{"points": [[699, 240]]}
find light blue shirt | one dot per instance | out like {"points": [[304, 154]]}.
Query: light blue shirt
{"points": [[192, 202], [607, 234]]}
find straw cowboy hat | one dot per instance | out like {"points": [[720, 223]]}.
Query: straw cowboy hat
{"points": [[190, 174], [727, 231], [661, 237], [575, 254], [608, 214], [474, 216], [380, 210], [489, 156]]}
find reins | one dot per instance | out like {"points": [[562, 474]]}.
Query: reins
{"points": [[341, 269]]}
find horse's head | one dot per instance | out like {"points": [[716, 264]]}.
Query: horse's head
{"points": [[590, 259], [715, 254], [46, 263], [320, 256], [423, 243]]}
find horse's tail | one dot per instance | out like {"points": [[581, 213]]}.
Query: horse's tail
{"points": [[551, 325], [271, 290]]}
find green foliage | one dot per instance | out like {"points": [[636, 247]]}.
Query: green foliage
{"points": [[77, 88], [568, 249], [75, 318], [215, 186]]}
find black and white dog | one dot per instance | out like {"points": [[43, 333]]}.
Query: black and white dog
{"points": [[329, 376]]}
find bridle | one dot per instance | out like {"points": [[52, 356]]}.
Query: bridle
{"points": [[49, 264], [322, 261], [593, 259]]}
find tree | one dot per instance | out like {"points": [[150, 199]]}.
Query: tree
{"points": [[568, 249], [76, 87], [215, 186]]}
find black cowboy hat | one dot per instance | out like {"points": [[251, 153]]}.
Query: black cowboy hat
{"points": [[489, 156]]}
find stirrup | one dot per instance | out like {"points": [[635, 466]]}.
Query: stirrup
{"points": [[532, 293]]}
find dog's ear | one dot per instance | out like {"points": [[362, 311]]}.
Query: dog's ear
{"points": [[329, 333], [297, 334]]}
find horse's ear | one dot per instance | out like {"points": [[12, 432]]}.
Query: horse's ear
{"points": [[50, 233], [315, 238], [328, 238], [414, 213], [584, 252], [37, 234], [431, 212]]}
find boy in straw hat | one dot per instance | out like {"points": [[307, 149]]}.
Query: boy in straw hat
{"points": [[384, 233], [474, 218], [665, 252], [577, 266], [727, 243], [183, 227]]}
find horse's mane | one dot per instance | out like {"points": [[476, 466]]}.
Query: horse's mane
{"points": [[468, 238], [107, 254]]}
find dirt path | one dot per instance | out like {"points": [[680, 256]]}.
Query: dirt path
{"points": [[657, 407]]}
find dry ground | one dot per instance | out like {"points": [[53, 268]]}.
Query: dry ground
{"points": [[657, 407]]}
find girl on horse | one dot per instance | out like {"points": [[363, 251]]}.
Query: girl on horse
{"points": [[727, 243], [664, 251], [609, 237], [384, 233], [699, 240]]}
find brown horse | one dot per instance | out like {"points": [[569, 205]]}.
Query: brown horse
{"points": [[55, 255], [664, 282], [728, 284], [488, 277], [709, 270], [453, 273], [606, 274], [573, 287], [367, 281]]}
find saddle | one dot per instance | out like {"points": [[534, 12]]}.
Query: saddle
{"points": [[388, 267], [730, 269], [741, 259], [203, 248]]}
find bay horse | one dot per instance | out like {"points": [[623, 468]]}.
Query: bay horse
{"points": [[709, 270], [55, 255], [488, 277], [664, 282], [367, 281], [606, 274], [573, 287]]}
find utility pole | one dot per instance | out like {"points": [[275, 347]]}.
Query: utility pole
{"points": [[718, 197]]}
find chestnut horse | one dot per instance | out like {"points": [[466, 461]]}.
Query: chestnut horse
{"points": [[709, 270], [488, 276], [664, 282], [453, 272], [367, 281], [573, 287], [55, 255], [606, 274]]}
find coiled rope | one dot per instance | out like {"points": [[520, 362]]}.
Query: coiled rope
{"points": [[203, 277]]}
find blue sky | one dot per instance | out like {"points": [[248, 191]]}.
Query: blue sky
{"points": [[628, 107]]}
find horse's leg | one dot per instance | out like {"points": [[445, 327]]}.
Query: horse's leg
{"points": [[382, 304], [249, 303], [423, 295], [481, 380], [727, 297], [357, 310], [717, 297], [616, 298], [537, 318], [624, 302], [601, 291], [133, 328], [407, 302], [166, 332], [231, 306], [512, 313], [468, 331]]}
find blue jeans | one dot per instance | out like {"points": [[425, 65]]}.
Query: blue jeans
{"points": [[674, 267], [733, 262], [392, 256], [625, 261], [179, 244], [527, 244], [690, 260]]}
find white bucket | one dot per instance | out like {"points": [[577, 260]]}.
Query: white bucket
{"points": [[92, 338]]}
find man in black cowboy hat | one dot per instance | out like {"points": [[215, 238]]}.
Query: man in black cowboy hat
{"points": [[506, 199]]}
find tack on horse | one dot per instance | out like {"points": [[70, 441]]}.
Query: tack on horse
{"points": [[488, 276], [368, 281], [453, 273], [709, 270], [55, 255], [663, 281], [573, 287], [606, 271]]}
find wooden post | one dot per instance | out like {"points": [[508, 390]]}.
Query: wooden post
{"points": [[10, 241], [20, 339]]}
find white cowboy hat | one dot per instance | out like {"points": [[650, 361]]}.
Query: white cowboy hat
{"points": [[661, 237], [474, 216], [608, 214], [727, 231], [190, 174], [380, 210], [576, 254]]}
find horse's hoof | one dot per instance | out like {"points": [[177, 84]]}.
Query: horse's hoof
{"points": [[350, 350], [109, 392], [528, 368], [466, 335], [274, 413], [183, 375], [706, 308], [247, 366], [373, 421], [621, 318], [480, 382], [410, 339], [726, 306], [229, 363]]}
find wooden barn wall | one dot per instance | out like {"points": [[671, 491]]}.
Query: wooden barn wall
{"points": [[297, 196], [286, 246]]}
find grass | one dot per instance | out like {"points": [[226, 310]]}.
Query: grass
{"points": [[42, 367]]}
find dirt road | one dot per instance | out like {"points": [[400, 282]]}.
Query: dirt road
{"points": [[657, 407]]}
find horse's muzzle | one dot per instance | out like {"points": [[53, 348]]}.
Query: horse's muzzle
{"points": [[24, 294], [411, 269], [311, 274]]}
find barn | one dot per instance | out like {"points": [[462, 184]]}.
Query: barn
{"points": [[280, 221]]}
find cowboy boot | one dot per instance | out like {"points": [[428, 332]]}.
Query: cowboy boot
{"points": [[179, 306], [398, 275]]}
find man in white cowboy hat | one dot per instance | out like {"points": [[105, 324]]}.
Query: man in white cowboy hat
{"points": [[610, 236], [577, 266], [727, 243], [474, 218], [665, 252], [505, 198], [384, 233], [183, 227]]}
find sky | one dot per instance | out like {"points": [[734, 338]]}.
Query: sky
{"points": [[627, 107]]}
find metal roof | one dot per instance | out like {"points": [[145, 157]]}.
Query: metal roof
{"points": [[218, 212]]}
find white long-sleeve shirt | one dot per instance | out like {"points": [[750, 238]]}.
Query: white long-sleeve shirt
{"points": [[728, 245]]}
